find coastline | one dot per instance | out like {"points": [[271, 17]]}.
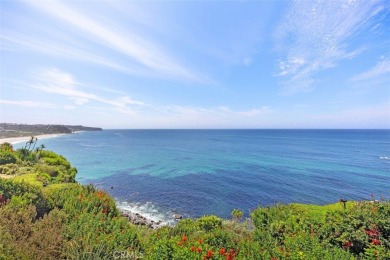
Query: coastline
{"points": [[22, 139], [147, 214]]}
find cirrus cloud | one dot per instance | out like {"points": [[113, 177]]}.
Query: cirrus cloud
{"points": [[314, 36]]}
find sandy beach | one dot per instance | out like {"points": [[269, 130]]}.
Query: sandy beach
{"points": [[15, 140]]}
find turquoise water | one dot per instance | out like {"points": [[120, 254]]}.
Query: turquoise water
{"points": [[198, 172]]}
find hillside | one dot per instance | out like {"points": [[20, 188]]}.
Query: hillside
{"points": [[17, 130]]}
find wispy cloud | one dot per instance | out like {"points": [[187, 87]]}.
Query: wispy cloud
{"points": [[211, 117], [175, 116], [58, 49], [146, 54], [314, 36], [27, 103], [57, 82], [221, 111], [382, 68]]}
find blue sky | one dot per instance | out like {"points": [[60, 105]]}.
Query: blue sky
{"points": [[196, 64]]}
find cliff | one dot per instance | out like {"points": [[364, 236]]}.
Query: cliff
{"points": [[18, 130]]}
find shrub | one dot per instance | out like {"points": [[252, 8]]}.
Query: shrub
{"points": [[9, 169], [94, 223], [57, 167], [237, 215], [6, 147], [26, 194], [52, 171], [22, 237], [52, 158], [7, 157], [209, 223]]}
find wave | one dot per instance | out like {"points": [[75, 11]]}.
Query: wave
{"points": [[91, 145], [384, 157], [149, 211]]}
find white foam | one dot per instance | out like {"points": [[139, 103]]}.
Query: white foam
{"points": [[149, 211], [384, 158]]}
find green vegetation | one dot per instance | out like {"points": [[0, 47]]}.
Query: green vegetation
{"points": [[44, 214], [237, 215]]}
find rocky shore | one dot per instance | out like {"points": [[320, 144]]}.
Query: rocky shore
{"points": [[138, 219]]}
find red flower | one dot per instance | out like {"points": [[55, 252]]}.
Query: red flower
{"points": [[372, 233], [231, 255], [193, 249], [209, 254], [200, 241], [179, 243], [347, 244], [184, 238], [376, 242], [198, 249], [222, 251]]}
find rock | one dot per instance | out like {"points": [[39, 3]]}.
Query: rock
{"points": [[138, 219], [178, 216]]}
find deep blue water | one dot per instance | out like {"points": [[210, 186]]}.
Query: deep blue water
{"points": [[198, 172]]}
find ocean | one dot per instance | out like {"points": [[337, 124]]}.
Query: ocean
{"points": [[159, 173]]}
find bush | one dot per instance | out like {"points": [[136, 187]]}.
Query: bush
{"points": [[52, 158], [23, 237], [56, 166], [237, 215], [209, 223], [9, 169], [6, 147], [25, 194], [7, 157], [52, 171], [94, 223]]}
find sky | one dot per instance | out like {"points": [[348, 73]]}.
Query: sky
{"points": [[196, 64]]}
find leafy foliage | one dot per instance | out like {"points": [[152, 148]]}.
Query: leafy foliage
{"points": [[23, 194], [237, 214], [7, 157], [9, 169]]}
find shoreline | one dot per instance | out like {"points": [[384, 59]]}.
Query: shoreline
{"points": [[146, 214], [22, 139]]}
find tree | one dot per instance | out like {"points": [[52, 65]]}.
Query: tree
{"points": [[39, 149], [32, 142], [35, 142], [42, 146]]}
